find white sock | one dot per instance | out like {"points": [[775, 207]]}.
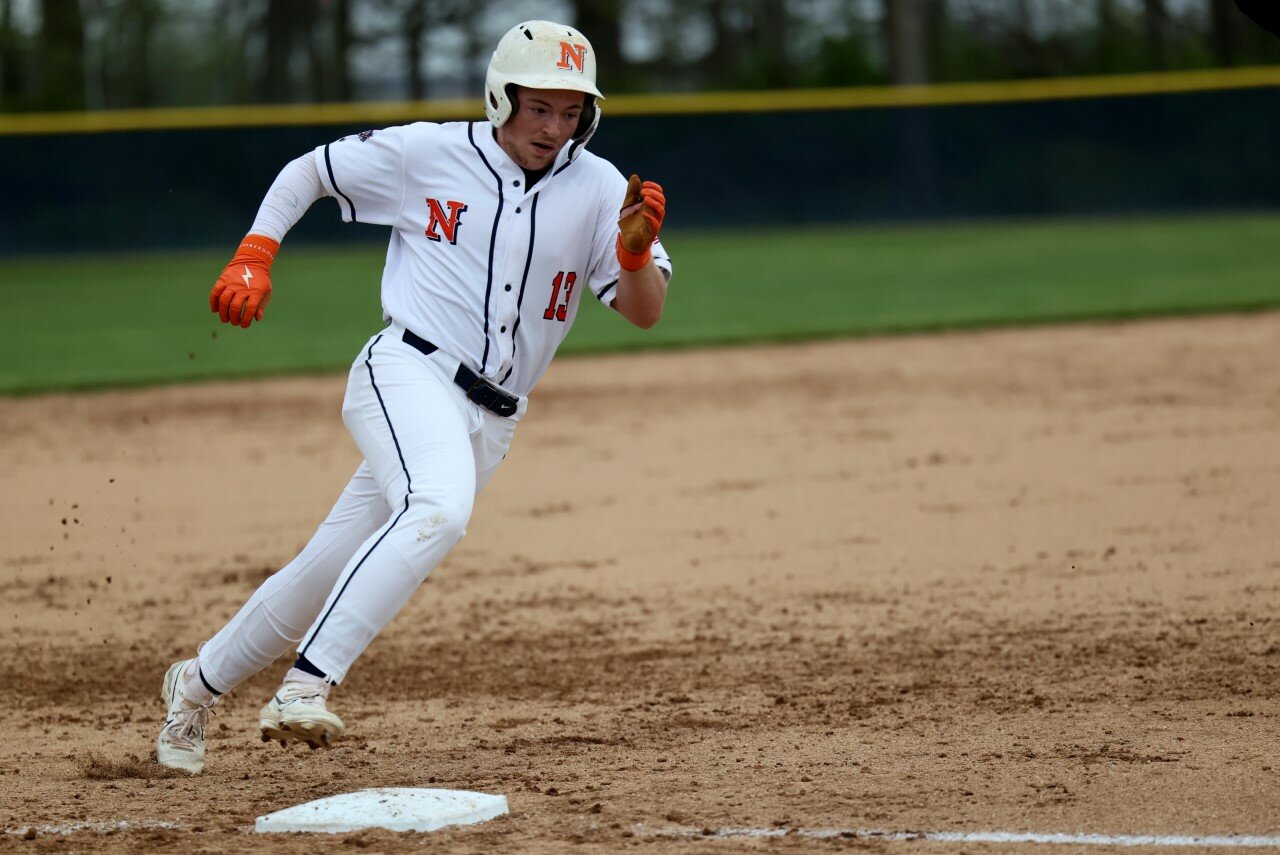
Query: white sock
{"points": [[194, 691], [296, 676]]}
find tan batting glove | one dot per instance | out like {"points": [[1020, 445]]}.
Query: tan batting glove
{"points": [[639, 222]]}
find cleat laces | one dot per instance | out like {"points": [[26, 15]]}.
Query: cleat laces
{"points": [[311, 695], [186, 726]]}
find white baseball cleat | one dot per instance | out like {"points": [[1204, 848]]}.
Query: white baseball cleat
{"points": [[180, 744], [297, 713]]}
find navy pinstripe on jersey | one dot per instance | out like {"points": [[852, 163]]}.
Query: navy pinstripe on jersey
{"points": [[328, 164], [524, 278], [497, 216]]}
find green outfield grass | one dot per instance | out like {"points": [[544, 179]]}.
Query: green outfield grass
{"points": [[124, 320]]}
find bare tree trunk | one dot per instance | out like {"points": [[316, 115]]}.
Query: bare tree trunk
{"points": [[275, 88], [140, 18], [1108, 37], [1224, 37], [476, 47], [327, 43], [1156, 20], [914, 168], [936, 38], [342, 49], [11, 77], [598, 20], [1022, 16], [287, 24], [904, 42], [774, 24], [721, 59], [232, 81], [414, 27], [1023, 51], [319, 82], [60, 60]]}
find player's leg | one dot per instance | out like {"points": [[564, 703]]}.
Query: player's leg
{"points": [[413, 426], [275, 616], [279, 612]]}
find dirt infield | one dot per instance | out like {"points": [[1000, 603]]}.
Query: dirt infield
{"points": [[1006, 581]]}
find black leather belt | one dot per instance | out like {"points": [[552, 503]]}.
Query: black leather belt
{"points": [[477, 388]]}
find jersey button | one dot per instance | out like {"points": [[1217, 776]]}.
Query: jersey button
{"points": [[506, 287], [504, 329], [515, 183], [517, 210]]}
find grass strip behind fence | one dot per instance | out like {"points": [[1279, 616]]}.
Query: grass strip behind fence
{"points": [[85, 322]]}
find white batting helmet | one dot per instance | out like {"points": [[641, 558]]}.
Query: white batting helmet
{"points": [[542, 55]]}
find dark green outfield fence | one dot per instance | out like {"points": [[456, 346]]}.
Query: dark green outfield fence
{"points": [[751, 160]]}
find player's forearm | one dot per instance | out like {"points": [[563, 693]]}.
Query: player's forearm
{"points": [[641, 295], [295, 189], [240, 295]]}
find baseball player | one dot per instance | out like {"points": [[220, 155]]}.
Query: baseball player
{"points": [[497, 230]]}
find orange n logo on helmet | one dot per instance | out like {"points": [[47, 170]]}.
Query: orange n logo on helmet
{"points": [[447, 224], [572, 56]]}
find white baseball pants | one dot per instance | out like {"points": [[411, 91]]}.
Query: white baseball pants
{"points": [[428, 451]]}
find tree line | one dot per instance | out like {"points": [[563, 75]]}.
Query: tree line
{"points": [[108, 54]]}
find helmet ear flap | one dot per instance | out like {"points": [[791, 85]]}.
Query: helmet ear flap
{"points": [[498, 102], [513, 99], [587, 118]]}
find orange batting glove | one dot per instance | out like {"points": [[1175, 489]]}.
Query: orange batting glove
{"points": [[639, 222], [242, 292]]}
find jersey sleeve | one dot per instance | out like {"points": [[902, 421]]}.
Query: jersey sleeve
{"points": [[605, 268], [365, 173]]}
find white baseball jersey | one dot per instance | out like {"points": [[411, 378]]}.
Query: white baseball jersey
{"points": [[485, 268]]}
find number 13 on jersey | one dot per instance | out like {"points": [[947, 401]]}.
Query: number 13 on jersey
{"points": [[558, 308]]}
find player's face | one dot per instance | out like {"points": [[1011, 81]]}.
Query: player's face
{"points": [[540, 126]]}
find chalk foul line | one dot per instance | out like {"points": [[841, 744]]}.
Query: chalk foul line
{"points": [[1241, 841], [1174, 840], [93, 825]]}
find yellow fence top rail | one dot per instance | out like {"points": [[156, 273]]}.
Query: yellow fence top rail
{"points": [[382, 113]]}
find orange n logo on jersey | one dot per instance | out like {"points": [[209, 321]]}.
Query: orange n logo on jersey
{"points": [[441, 223], [572, 56]]}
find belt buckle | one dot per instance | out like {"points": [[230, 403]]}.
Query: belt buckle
{"points": [[481, 391], [491, 397]]}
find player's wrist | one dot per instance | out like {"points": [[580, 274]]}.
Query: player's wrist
{"points": [[257, 247], [633, 261]]}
